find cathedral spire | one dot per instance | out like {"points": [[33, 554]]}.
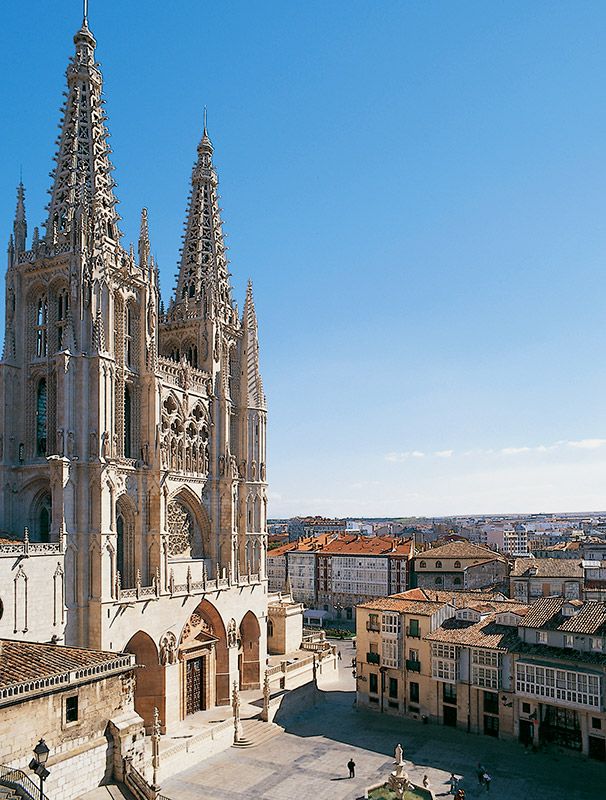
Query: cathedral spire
{"points": [[20, 223], [144, 247], [82, 176], [203, 270], [253, 385]]}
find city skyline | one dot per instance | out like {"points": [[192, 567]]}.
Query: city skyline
{"points": [[425, 229]]}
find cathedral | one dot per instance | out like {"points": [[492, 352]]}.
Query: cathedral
{"points": [[132, 436]]}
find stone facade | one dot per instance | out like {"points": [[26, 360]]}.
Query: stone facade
{"points": [[75, 712], [132, 439], [284, 625]]}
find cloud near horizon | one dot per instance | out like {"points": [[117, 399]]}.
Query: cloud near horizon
{"points": [[578, 444]]}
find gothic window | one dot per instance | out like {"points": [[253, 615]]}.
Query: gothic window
{"points": [[192, 290], [120, 545], [42, 517], [41, 397], [192, 355], [175, 354], [44, 525], [41, 327], [270, 628], [180, 530], [62, 309], [128, 337], [127, 423]]}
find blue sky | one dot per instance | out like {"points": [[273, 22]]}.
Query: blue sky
{"points": [[418, 191]]}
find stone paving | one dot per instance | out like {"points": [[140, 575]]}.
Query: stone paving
{"points": [[308, 761]]}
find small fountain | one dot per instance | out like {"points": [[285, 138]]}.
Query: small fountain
{"points": [[398, 780]]}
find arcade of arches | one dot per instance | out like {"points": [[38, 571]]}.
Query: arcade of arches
{"points": [[198, 668]]}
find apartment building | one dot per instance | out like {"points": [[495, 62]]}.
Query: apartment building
{"points": [[400, 669], [531, 578], [459, 565], [353, 569], [498, 668], [335, 573]]}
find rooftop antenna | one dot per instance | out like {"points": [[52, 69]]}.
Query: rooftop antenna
{"points": [[84, 12], [205, 119]]}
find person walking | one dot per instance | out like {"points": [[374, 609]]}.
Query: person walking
{"points": [[454, 783], [481, 773], [339, 655], [425, 782], [487, 780], [351, 766]]}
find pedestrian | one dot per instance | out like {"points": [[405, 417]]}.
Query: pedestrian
{"points": [[454, 783], [339, 654], [481, 773], [425, 782], [487, 780], [351, 766]]}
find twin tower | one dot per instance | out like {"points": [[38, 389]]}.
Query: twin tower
{"points": [[131, 438]]}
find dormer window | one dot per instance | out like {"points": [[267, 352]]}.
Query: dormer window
{"points": [[438, 565], [422, 564]]}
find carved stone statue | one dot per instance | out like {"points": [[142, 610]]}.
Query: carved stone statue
{"points": [[71, 444], [60, 442], [105, 445], [232, 633], [168, 649]]}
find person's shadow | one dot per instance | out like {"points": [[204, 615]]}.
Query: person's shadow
{"points": [[344, 778]]}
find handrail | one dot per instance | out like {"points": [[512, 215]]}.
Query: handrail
{"points": [[14, 778]]}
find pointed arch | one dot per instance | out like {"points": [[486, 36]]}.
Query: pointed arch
{"points": [[248, 660], [188, 525], [125, 540], [150, 687], [206, 622]]}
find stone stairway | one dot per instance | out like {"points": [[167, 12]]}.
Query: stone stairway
{"points": [[7, 793], [257, 732]]}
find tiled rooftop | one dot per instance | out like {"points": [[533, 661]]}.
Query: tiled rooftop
{"points": [[395, 603], [486, 633], [28, 661], [547, 568], [347, 544], [589, 618], [464, 550]]}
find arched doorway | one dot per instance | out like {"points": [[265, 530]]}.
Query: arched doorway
{"points": [[150, 686], [203, 652], [248, 658]]}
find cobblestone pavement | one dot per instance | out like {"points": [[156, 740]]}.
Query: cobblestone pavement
{"points": [[308, 761]]}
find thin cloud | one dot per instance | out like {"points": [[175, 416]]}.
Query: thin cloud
{"points": [[444, 453], [520, 450], [399, 457], [588, 444]]}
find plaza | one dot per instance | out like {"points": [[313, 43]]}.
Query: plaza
{"points": [[309, 759]]}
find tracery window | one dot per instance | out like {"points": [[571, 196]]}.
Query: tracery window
{"points": [[41, 403], [192, 355], [62, 311], [128, 337], [127, 423], [181, 530], [41, 327], [120, 545]]}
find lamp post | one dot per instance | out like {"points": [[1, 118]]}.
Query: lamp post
{"points": [[37, 764]]}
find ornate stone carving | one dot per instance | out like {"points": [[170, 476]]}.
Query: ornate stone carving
{"points": [[168, 649], [180, 529], [232, 633]]}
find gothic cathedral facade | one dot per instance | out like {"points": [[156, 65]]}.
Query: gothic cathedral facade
{"points": [[132, 437]]}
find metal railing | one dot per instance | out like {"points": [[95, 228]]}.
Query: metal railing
{"points": [[18, 780]]}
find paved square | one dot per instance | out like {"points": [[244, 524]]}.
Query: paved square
{"points": [[309, 760]]}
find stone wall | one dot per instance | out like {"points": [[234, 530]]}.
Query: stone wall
{"points": [[32, 603], [81, 752]]}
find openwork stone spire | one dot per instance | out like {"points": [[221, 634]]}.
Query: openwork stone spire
{"points": [[20, 223], [82, 176], [255, 396], [203, 271]]}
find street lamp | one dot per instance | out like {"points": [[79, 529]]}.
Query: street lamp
{"points": [[37, 763]]}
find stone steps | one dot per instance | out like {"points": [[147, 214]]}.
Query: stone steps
{"points": [[257, 732], [6, 793]]}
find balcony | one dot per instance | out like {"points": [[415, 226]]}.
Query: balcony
{"points": [[413, 632], [373, 626], [413, 666], [373, 658]]}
